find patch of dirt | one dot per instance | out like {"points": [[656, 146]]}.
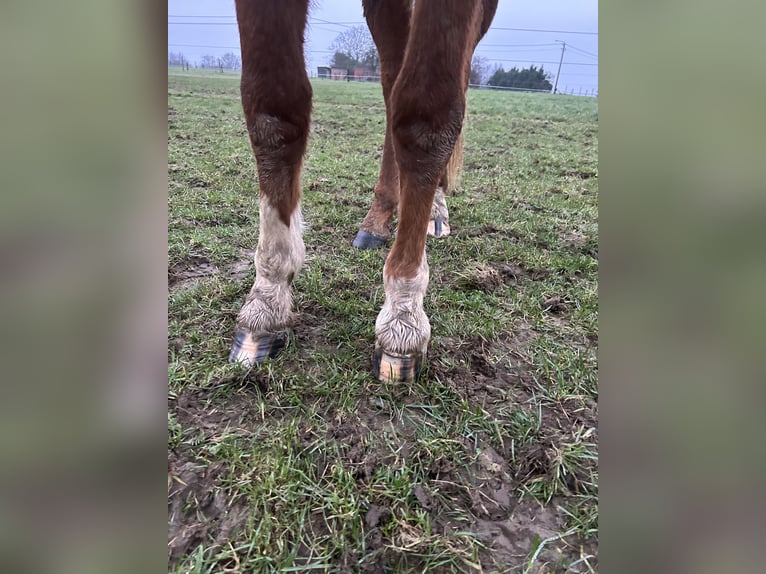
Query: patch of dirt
{"points": [[195, 409], [184, 274], [508, 234], [243, 267], [483, 490], [488, 277], [556, 305], [514, 539], [574, 239], [491, 491], [199, 510], [579, 173], [516, 272], [579, 243], [352, 432]]}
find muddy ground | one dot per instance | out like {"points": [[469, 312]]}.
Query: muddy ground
{"points": [[487, 490]]}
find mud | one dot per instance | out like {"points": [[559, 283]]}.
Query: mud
{"points": [[484, 490], [198, 510], [184, 274]]}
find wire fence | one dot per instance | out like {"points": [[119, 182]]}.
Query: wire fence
{"points": [[593, 93]]}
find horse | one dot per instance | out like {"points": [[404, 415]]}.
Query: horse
{"points": [[425, 49]]}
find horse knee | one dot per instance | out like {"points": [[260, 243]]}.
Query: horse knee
{"points": [[425, 137], [278, 127]]}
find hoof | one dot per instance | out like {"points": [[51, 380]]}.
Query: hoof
{"points": [[251, 350], [438, 228], [366, 240], [393, 367]]}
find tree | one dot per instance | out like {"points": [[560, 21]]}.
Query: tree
{"points": [[371, 58], [479, 70], [176, 59], [531, 78], [208, 61], [341, 60], [357, 46], [230, 61]]}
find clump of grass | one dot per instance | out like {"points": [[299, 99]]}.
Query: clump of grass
{"points": [[478, 276]]}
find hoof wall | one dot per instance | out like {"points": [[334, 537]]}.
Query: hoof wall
{"points": [[392, 367], [438, 228], [251, 350], [366, 240]]}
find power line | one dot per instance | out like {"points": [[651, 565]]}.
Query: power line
{"points": [[197, 16], [238, 47], [565, 73], [329, 22], [541, 30], [349, 24], [203, 23], [311, 18], [575, 48], [517, 50], [204, 46], [541, 62], [319, 20], [516, 45]]}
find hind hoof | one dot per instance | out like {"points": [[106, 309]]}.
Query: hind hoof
{"points": [[366, 240], [438, 228], [251, 350], [393, 367]]}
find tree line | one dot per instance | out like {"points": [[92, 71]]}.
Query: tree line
{"points": [[229, 61], [355, 47]]}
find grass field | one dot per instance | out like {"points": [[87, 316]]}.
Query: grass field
{"points": [[307, 464]]}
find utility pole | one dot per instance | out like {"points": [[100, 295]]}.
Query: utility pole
{"points": [[558, 73]]}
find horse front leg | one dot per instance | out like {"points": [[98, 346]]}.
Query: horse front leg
{"points": [[276, 99], [427, 109]]}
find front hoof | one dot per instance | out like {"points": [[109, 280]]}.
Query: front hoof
{"points": [[366, 240], [438, 228], [250, 349], [392, 367]]}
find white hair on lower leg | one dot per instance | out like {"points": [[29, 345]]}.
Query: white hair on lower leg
{"points": [[402, 325], [278, 259]]}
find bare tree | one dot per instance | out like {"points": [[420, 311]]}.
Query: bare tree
{"points": [[230, 61], [176, 59], [357, 44], [479, 70], [208, 61]]}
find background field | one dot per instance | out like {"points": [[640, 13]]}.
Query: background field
{"points": [[489, 463]]}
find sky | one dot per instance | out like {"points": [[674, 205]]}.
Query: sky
{"points": [[199, 27]]}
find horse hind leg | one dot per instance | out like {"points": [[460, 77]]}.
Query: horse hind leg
{"points": [[276, 99], [389, 24], [374, 230], [438, 225]]}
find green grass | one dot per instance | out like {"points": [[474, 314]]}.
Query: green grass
{"points": [[308, 464]]}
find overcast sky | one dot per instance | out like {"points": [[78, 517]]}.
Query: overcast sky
{"points": [[199, 27]]}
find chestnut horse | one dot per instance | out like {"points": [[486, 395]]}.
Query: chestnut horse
{"points": [[425, 49]]}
